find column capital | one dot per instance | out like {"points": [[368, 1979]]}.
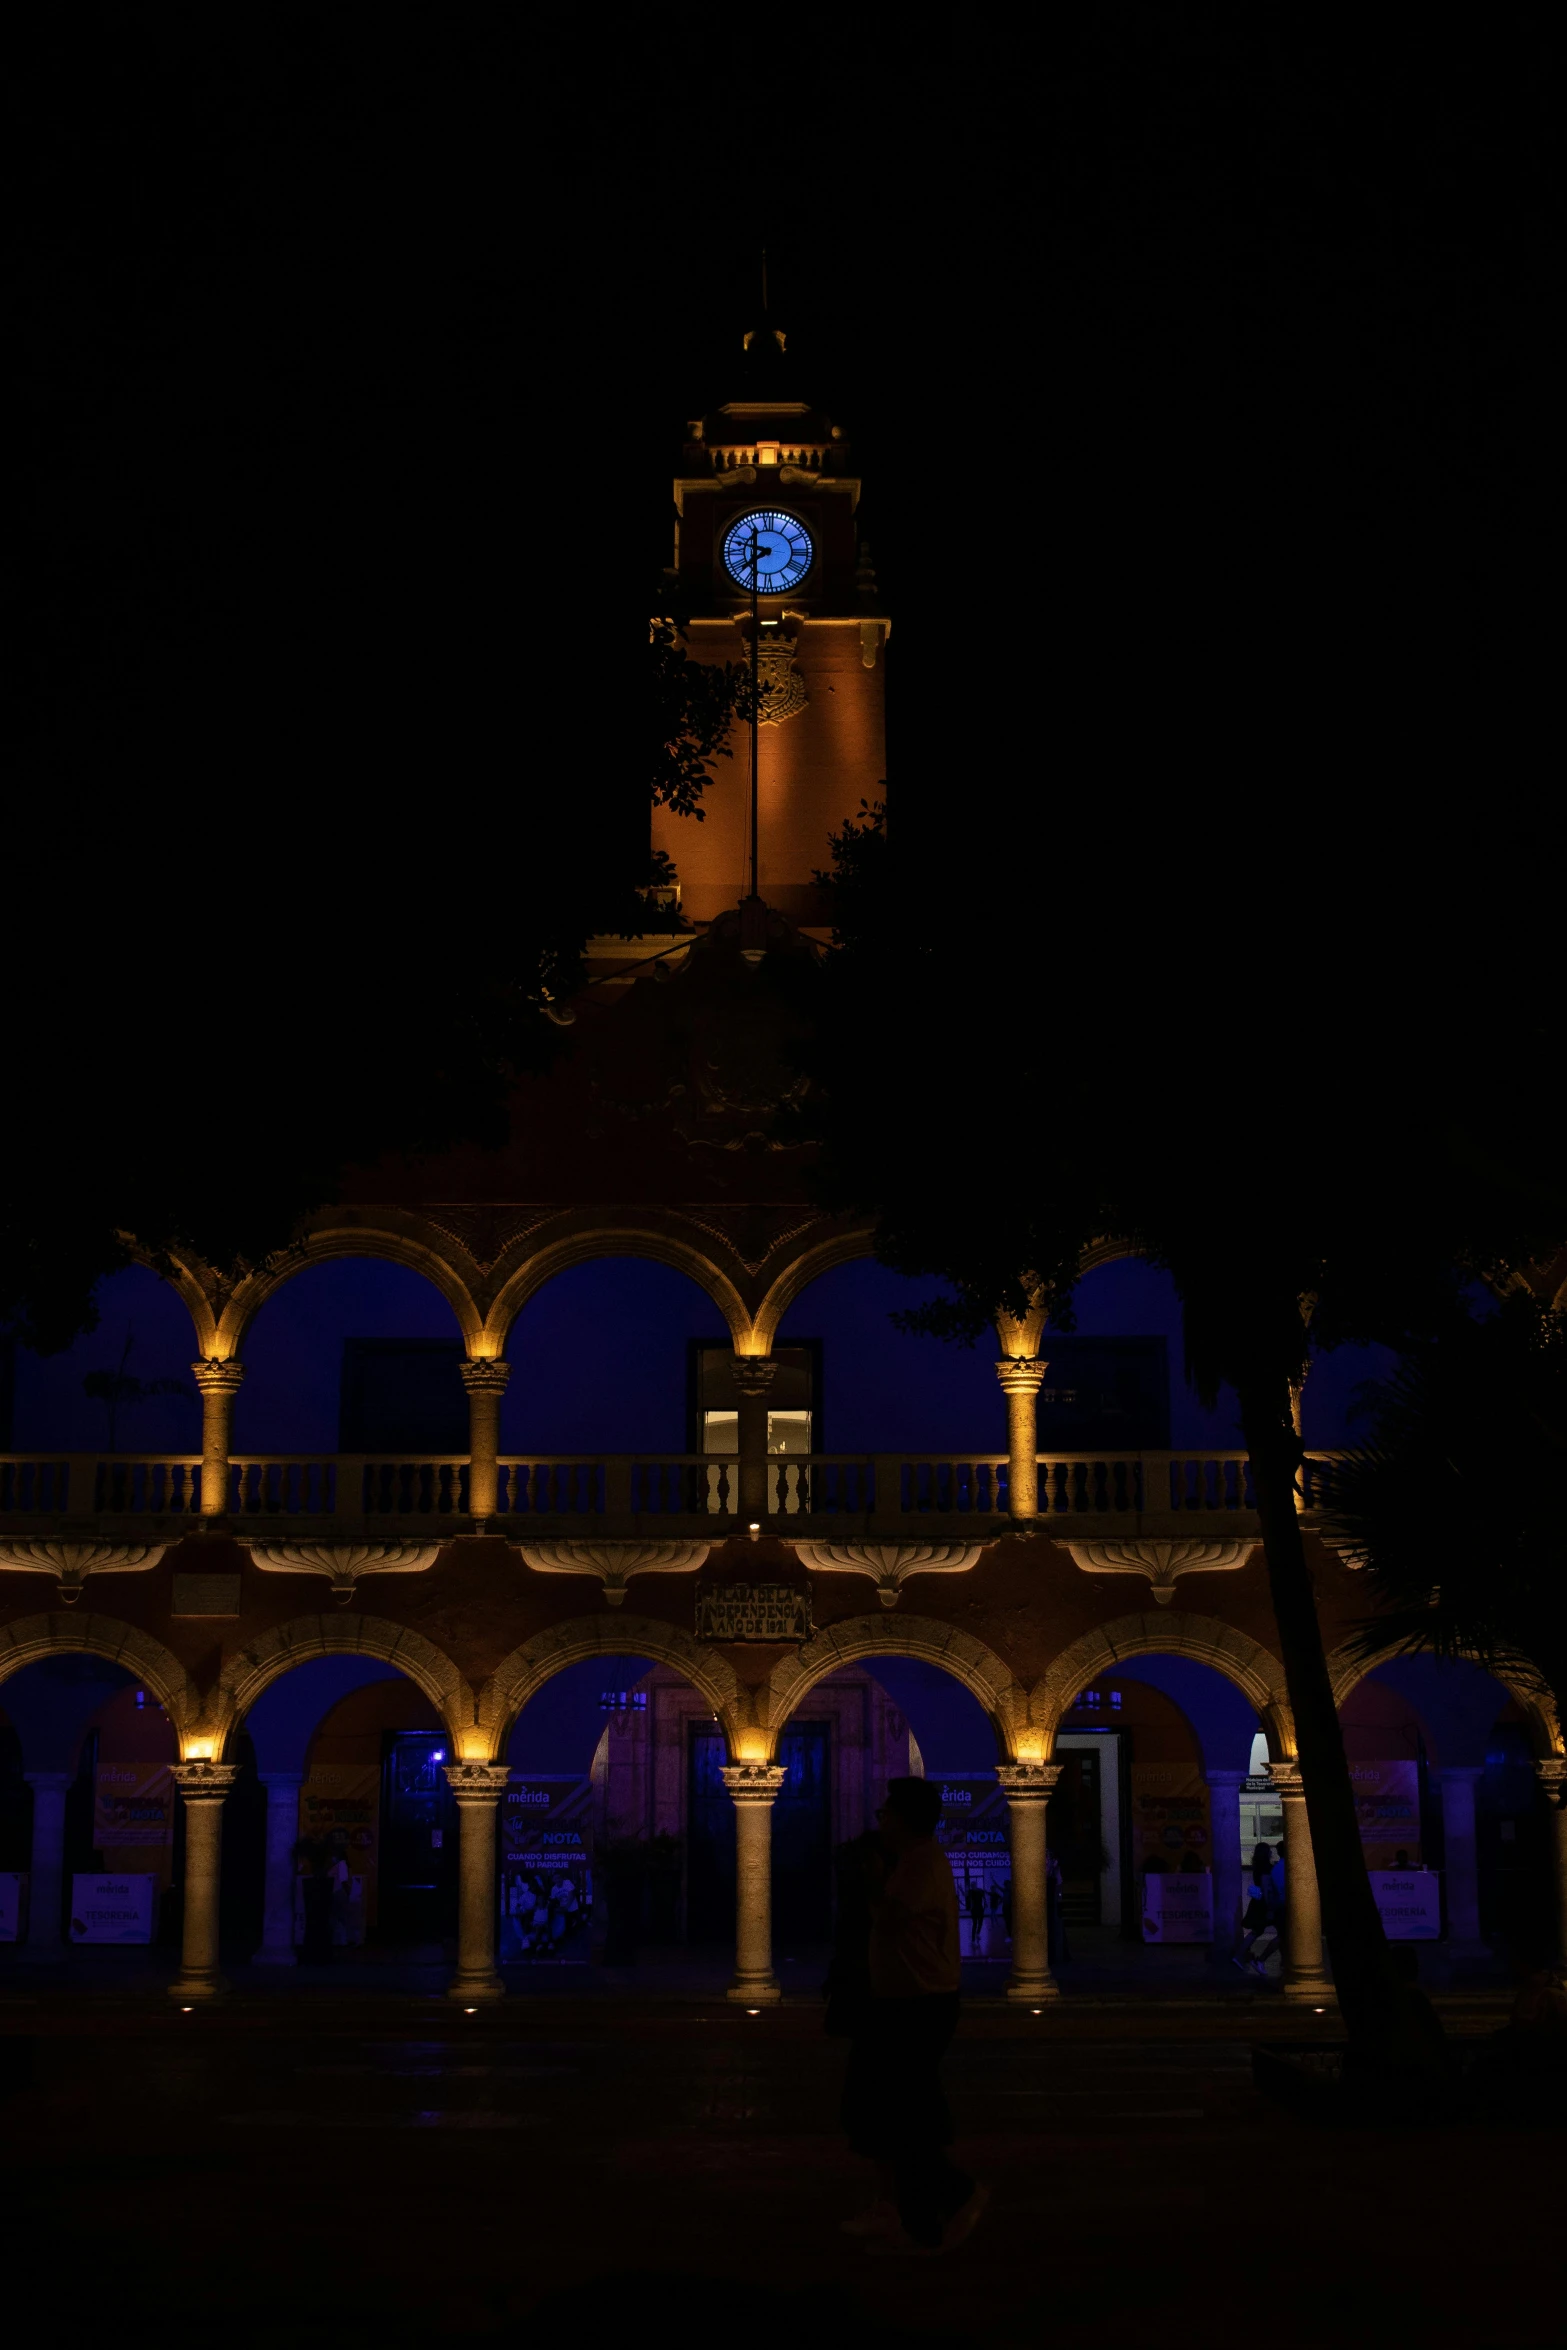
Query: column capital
{"points": [[478, 1782], [50, 1782], [1226, 1779], [1551, 1771], [218, 1375], [754, 1782], [1022, 1374], [203, 1782], [271, 1779], [1470, 1771], [754, 1374], [485, 1375], [1287, 1779], [1028, 1782]]}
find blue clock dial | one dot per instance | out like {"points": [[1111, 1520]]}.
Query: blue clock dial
{"points": [[767, 553]]}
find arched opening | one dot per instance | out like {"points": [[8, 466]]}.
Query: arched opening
{"points": [[1162, 1802], [602, 1358], [892, 1697], [357, 1864], [1457, 1828], [355, 1354], [93, 1848]]}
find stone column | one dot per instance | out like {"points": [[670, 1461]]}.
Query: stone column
{"points": [[754, 1787], [1224, 1818], [754, 1375], [46, 1878], [1028, 1788], [1021, 1380], [486, 1384], [219, 1382], [1461, 1867], [277, 1926], [1552, 1775], [1305, 1976], [204, 1786], [478, 1788]]}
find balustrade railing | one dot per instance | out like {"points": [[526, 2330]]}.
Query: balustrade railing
{"points": [[364, 1487]]}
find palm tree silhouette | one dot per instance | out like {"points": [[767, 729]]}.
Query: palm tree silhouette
{"points": [[119, 1390]]}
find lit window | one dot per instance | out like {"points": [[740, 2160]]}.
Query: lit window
{"points": [[1115, 1701]]}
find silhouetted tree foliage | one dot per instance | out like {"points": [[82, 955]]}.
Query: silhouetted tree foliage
{"points": [[1455, 1504]]}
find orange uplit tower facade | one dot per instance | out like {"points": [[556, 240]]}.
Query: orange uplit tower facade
{"points": [[767, 485]]}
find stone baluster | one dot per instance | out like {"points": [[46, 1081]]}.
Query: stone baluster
{"points": [[1224, 1822], [478, 1788], [46, 1878], [1552, 1775], [1461, 1866], [1305, 1975], [754, 1788], [1021, 1379], [219, 1382], [486, 1383], [203, 1786], [1028, 1788], [277, 1920], [754, 1375]]}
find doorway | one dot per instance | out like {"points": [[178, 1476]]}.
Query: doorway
{"points": [[418, 1856]]}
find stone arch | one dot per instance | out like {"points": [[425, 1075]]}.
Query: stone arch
{"points": [[839, 1248], [351, 1240], [522, 1674], [1347, 1671], [274, 1653], [1255, 1671], [27, 1638], [861, 1638], [577, 1248], [186, 1282]]}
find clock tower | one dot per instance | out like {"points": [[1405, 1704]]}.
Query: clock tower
{"points": [[765, 530]]}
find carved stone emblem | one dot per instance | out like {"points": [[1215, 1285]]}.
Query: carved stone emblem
{"points": [[71, 1563], [888, 1564], [614, 1563]]}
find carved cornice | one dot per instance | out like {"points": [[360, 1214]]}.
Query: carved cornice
{"points": [[204, 1782], [478, 1783], [342, 1563], [71, 1563], [614, 1563], [754, 1782], [889, 1564], [1161, 1561]]}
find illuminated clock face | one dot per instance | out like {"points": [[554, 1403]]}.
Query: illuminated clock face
{"points": [[769, 553]]}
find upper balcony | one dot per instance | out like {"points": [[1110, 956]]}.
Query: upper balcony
{"points": [[888, 1496]]}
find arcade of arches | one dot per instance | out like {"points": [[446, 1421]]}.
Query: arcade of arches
{"points": [[215, 1656]]}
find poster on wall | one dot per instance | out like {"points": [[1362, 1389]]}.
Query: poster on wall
{"points": [[973, 1834], [546, 1867], [1169, 1814], [1178, 1905], [1387, 1798], [1410, 1902], [13, 1904], [340, 1806], [114, 1908], [133, 1814]]}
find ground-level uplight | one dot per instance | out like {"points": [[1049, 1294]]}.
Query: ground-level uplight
{"points": [[753, 2011]]}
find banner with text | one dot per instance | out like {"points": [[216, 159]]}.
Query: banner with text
{"points": [[1387, 1797], [114, 1908]]}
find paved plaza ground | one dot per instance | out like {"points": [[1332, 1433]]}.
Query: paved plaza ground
{"points": [[319, 2165]]}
